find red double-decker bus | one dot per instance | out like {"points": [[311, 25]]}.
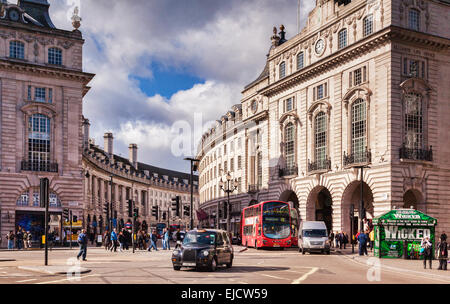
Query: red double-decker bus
{"points": [[267, 224]]}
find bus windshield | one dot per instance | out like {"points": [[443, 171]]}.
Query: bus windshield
{"points": [[206, 238], [315, 233], [276, 220]]}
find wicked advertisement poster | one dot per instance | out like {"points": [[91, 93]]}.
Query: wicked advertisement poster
{"points": [[402, 230]]}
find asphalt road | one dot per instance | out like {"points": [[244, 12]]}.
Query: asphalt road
{"points": [[250, 267]]}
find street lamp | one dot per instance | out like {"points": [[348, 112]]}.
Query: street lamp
{"points": [[231, 186], [193, 168], [361, 203]]}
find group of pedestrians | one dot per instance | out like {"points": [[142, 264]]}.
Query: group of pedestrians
{"points": [[19, 240], [441, 252], [338, 240]]}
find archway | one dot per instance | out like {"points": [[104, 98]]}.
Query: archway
{"points": [[319, 206], [352, 196], [412, 199], [290, 197]]}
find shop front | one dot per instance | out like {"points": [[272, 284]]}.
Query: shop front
{"points": [[34, 222], [399, 232]]}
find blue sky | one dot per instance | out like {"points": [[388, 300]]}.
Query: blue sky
{"points": [[159, 63]]}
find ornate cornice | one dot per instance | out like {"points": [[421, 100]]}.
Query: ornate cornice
{"points": [[389, 34]]}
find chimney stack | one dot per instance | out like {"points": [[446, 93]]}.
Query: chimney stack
{"points": [[86, 126], [133, 155], [109, 144]]}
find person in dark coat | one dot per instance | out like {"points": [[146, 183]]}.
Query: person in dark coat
{"points": [[362, 240], [442, 248], [82, 241], [428, 252]]}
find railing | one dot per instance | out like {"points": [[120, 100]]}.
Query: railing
{"points": [[39, 166], [288, 171], [320, 165], [253, 188], [362, 157], [416, 154]]}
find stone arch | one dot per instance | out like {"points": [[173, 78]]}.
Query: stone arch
{"points": [[319, 206], [290, 196], [412, 198], [352, 195]]}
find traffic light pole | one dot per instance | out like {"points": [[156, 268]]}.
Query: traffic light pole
{"points": [[70, 232], [134, 228], [44, 189]]}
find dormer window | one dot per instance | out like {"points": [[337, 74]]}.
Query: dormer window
{"points": [[414, 19], [16, 50], [55, 56]]}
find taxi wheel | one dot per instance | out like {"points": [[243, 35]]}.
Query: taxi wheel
{"points": [[176, 268], [213, 265]]}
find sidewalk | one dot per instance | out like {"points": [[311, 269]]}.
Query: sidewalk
{"points": [[413, 267]]}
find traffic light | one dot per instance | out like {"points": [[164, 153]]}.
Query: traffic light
{"points": [[136, 212], [220, 213], [75, 218], [363, 213], [186, 210], [106, 209], [66, 215], [130, 208], [164, 216], [44, 188], [155, 212], [176, 205]]}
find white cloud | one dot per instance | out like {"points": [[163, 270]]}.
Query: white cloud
{"points": [[223, 42]]}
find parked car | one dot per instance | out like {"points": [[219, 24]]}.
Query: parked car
{"points": [[313, 236], [203, 248]]}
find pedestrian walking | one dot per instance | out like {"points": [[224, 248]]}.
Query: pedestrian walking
{"points": [[443, 236], [153, 241], [10, 237], [427, 251], [372, 239], [25, 240], [29, 239], [362, 240], [107, 239], [82, 241], [113, 240], [19, 238], [336, 236], [331, 238], [166, 244], [121, 241], [442, 248]]}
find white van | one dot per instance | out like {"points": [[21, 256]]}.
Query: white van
{"points": [[313, 236]]}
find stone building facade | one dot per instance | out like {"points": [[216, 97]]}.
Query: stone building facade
{"points": [[42, 85], [109, 177], [363, 85]]}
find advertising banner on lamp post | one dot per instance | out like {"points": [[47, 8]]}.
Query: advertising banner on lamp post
{"points": [[402, 230]]}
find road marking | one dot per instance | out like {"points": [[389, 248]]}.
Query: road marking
{"points": [[69, 279], [305, 276], [23, 281], [274, 277]]}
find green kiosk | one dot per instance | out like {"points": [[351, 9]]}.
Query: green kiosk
{"points": [[399, 232]]}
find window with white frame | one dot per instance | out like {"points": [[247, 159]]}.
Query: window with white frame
{"points": [[320, 91], [55, 56], [414, 19], [357, 76], [289, 104], [320, 137], [17, 50], [342, 38], [300, 63], [413, 121], [282, 70], [39, 141], [368, 25], [289, 145], [358, 130]]}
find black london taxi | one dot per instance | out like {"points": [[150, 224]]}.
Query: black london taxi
{"points": [[203, 248]]}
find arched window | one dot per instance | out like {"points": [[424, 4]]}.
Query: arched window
{"points": [[413, 121], [39, 142], [359, 126], [368, 25], [320, 138], [342, 38], [55, 56], [300, 63], [282, 69], [16, 50], [289, 134], [414, 19]]}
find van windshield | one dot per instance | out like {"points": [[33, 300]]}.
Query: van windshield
{"points": [[314, 233]]}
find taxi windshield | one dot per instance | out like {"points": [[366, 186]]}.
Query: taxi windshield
{"points": [[205, 238]]}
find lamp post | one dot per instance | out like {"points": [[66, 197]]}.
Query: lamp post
{"points": [[231, 186], [193, 168], [111, 212], [361, 203]]}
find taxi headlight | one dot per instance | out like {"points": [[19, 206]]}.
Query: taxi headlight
{"points": [[205, 253], [176, 252]]}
